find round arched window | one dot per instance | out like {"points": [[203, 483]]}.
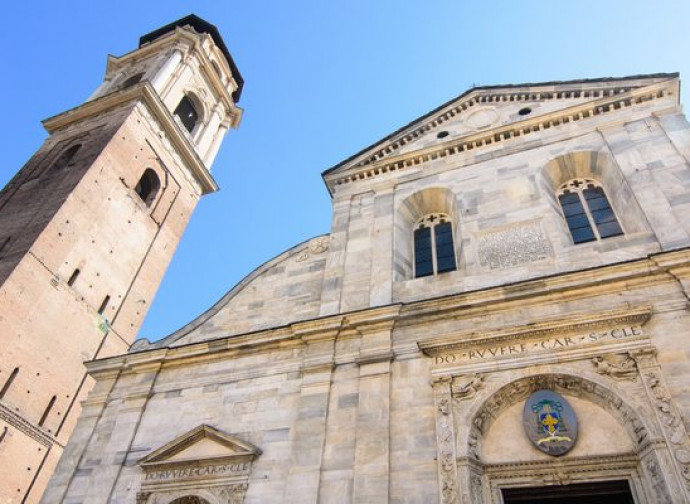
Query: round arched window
{"points": [[148, 186], [187, 113]]}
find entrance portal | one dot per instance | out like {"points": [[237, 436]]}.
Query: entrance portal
{"points": [[602, 492]]}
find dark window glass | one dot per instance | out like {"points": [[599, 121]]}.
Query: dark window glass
{"points": [[575, 216], [602, 213], [187, 113], [609, 229], [423, 264], [148, 186], [583, 235], [445, 255]]}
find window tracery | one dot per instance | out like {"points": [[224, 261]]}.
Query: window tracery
{"points": [[587, 211]]}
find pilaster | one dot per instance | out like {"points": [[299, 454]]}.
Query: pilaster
{"points": [[372, 446]]}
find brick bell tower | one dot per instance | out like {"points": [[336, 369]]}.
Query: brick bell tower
{"points": [[89, 225]]}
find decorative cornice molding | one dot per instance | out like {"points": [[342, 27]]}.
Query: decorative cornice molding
{"points": [[605, 277], [144, 92], [20, 423], [384, 164]]}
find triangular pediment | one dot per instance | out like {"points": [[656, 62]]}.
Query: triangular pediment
{"points": [[491, 114], [204, 443]]}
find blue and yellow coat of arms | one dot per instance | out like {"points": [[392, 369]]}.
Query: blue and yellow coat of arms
{"points": [[550, 422]]}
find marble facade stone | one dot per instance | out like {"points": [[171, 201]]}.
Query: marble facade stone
{"points": [[358, 382]]}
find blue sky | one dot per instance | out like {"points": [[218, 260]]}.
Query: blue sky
{"points": [[323, 80]]}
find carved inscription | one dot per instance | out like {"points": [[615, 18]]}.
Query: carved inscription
{"points": [[196, 472], [487, 352]]}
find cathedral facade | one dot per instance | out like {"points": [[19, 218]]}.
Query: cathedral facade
{"points": [[497, 315]]}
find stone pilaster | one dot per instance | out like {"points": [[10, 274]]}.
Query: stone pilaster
{"points": [[445, 441], [381, 281], [308, 434], [672, 462], [372, 447]]}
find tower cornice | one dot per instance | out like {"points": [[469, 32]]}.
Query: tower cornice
{"points": [[145, 93], [189, 42]]}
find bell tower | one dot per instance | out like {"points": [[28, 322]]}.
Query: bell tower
{"points": [[89, 225]]}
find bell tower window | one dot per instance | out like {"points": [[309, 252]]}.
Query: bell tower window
{"points": [[434, 250], [187, 113], [148, 186], [587, 211]]}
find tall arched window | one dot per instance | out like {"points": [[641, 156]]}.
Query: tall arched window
{"points": [[434, 250], [187, 113], [587, 211], [147, 187]]}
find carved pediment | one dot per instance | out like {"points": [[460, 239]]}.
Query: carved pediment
{"points": [[488, 115], [203, 461], [203, 444]]}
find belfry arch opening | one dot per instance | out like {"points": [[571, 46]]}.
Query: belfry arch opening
{"points": [[148, 186]]}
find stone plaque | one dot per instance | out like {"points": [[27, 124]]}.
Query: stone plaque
{"points": [[550, 422], [513, 246]]}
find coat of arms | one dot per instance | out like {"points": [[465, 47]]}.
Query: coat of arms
{"points": [[550, 422]]}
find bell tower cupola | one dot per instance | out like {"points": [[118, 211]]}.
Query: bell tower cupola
{"points": [[194, 75]]}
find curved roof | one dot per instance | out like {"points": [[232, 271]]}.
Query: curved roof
{"points": [[284, 289]]}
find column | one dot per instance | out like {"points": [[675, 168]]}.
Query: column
{"points": [[161, 78]]}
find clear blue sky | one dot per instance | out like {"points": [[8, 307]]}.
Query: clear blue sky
{"points": [[323, 80]]}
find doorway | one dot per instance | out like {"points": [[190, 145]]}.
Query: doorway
{"points": [[600, 492]]}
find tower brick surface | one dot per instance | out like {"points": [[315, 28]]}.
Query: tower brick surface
{"points": [[89, 225]]}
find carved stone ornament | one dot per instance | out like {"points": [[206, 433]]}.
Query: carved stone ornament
{"points": [[316, 246], [445, 441], [467, 386], [550, 422], [617, 366]]}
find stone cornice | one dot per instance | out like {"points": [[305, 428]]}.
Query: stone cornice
{"points": [[22, 424], [590, 282], [577, 322], [144, 92], [392, 163]]}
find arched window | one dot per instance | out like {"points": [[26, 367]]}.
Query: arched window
{"points": [[66, 157], [587, 211], [434, 251], [148, 186], [187, 113], [131, 81]]}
